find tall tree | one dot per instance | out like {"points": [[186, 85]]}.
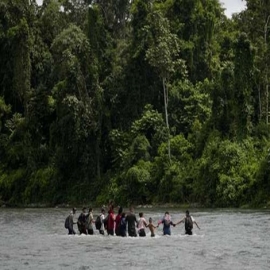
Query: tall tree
{"points": [[243, 85], [163, 55], [73, 130], [255, 21], [196, 23], [15, 47]]}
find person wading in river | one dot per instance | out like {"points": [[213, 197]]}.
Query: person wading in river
{"points": [[100, 222], [89, 222], [189, 221], [69, 222], [82, 221], [118, 221], [123, 225], [111, 220], [151, 227], [167, 222], [131, 221], [141, 225]]}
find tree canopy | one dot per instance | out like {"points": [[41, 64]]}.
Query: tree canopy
{"points": [[157, 101]]}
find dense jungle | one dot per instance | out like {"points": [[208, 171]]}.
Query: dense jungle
{"points": [[136, 101]]}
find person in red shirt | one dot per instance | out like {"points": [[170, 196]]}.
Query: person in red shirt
{"points": [[111, 220], [118, 221]]}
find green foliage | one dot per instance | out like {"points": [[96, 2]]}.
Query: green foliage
{"points": [[261, 187], [152, 126], [139, 149], [222, 97], [136, 182], [229, 169], [12, 184], [173, 178], [71, 51], [51, 21], [188, 104], [40, 187], [164, 46], [88, 89], [4, 111], [243, 85], [196, 24], [119, 142]]}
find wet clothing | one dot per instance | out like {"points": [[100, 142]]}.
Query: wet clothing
{"points": [[110, 226], [71, 231], [188, 230], [70, 224], [152, 229], [167, 225], [82, 223], [89, 223], [101, 230], [141, 226], [117, 224], [131, 221], [123, 227], [142, 233]]}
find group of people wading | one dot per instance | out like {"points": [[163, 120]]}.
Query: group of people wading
{"points": [[123, 224]]}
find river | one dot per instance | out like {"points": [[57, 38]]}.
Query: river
{"points": [[228, 239]]}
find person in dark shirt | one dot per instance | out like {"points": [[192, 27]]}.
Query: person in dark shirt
{"points": [[118, 221], [82, 221], [188, 220], [132, 222], [71, 222], [123, 225]]}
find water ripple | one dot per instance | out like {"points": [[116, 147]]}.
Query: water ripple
{"points": [[228, 239]]}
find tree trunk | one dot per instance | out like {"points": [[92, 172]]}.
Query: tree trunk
{"points": [[266, 72], [165, 93]]}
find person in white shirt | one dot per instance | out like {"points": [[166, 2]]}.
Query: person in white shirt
{"points": [[141, 225], [189, 221], [102, 217], [89, 222]]}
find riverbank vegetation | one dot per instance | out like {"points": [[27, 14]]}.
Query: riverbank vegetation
{"points": [[143, 101]]}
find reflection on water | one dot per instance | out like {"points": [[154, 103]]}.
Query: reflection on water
{"points": [[228, 239]]}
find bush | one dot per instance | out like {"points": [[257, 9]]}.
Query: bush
{"points": [[226, 172]]}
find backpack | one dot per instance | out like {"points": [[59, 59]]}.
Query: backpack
{"points": [[188, 223], [98, 223], [67, 222]]}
